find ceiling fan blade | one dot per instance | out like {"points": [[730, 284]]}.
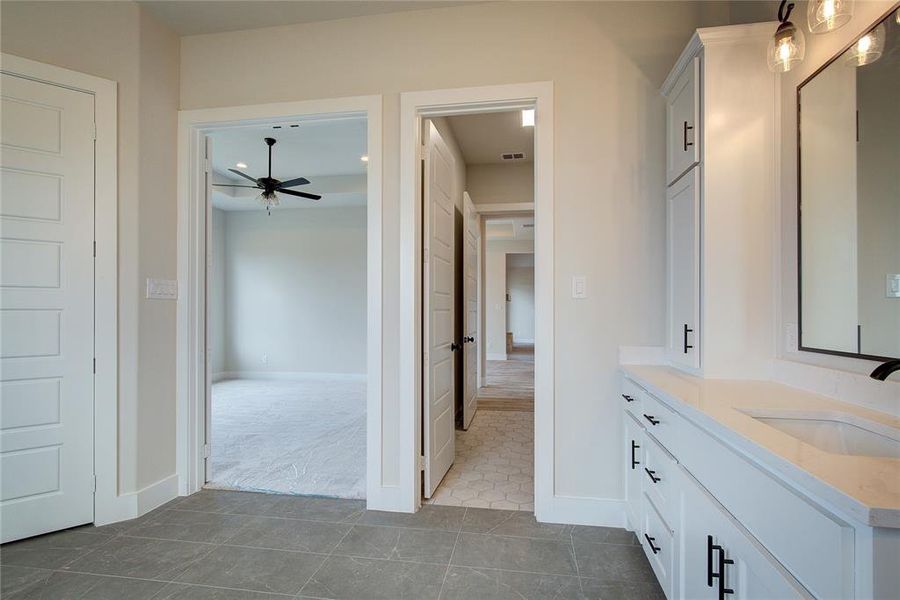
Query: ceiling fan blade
{"points": [[244, 175], [300, 194], [293, 182], [252, 187]]}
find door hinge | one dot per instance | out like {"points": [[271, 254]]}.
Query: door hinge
{"points": [[207, 165], [425, 255], [95, 366], [95, 249], [206, 451], [421, 463], [95, 132], [93, 483]]}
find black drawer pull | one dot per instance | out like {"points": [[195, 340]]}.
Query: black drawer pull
{"points": [[687, 346], [653, 420], [652, 475], [628, 398], [634, 461], [722, 562], [684, 135], [710, 574], [650, 541]]}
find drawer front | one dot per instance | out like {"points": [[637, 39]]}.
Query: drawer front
{"points": [[816, 548], [660, 481], [632, 397], [662, 423], [659, 546]]}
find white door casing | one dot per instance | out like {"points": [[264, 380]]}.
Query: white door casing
{"points": [[471, 234], [206, 447], [46, 308], [438, 309]]}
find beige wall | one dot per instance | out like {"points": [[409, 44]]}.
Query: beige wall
{"points": [[609, 153], [498, 184], [121, 42]]}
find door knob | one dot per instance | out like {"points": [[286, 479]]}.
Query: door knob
{"points": [[454, 346], [468, 339]]}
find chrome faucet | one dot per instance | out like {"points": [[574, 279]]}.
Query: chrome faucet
{"points": [[883, 370]]}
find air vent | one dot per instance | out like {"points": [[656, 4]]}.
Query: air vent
{"points": [[513, 156]]}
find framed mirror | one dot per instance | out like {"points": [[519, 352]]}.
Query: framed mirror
{"points": [[848, 116]]}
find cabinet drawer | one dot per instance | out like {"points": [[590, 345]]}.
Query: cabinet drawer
{"points": [[659, 546], [815, 547], [632, 397], [662, 423], [660, 483]]}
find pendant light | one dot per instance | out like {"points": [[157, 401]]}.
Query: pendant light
{"points": [[866, 49], [827, 15], [787, 47]]}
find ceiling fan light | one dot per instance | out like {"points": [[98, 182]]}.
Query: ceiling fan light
{"points": [[268, 199], [827, 15]]}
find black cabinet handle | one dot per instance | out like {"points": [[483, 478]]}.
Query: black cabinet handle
{"points": [[653, 420], [710, 573], [652, 475], [722, 562], [628, 398], [684, 133], [634, 461], [686, 332], [650, 541]]}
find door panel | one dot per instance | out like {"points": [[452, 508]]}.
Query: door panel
{"points": [[472, 231], [46, 308], [683, 122], [683, 214], [437, 331]]}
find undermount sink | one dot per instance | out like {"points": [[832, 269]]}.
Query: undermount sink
{"points": [[834, 432]]}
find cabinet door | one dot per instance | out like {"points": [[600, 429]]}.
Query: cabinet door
{"points": [[634, 443], [683, 249], [718, 560], [683, 123]]}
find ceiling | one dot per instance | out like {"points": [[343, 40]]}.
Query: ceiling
{"points": [[509, 228], [327, 152], [190, 17], [482, 138]]}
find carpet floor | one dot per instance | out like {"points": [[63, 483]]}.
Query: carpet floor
{"points": [[294, 437]]}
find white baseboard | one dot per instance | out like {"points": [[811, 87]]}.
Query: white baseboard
{"points": [[496, 356], [518, 341], [132, 505], [287, 375], [603, 512], [642, 355]]}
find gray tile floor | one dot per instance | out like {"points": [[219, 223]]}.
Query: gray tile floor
{"points": [[218, 545]]}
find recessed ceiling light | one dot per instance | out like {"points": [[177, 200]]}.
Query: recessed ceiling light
{"points": [[528, 117], [364, 158], [241, 165]]}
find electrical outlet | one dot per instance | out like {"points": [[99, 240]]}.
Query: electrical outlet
{"points": [[162, 289]]}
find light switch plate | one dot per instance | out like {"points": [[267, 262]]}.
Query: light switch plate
{"points": [[162, 289], [892, 287], [579, 286]]}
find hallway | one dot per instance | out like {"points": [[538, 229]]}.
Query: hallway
{"points": [[509, 384]]}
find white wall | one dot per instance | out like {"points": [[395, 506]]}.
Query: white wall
{"points": [[295, 291], [609, 155], [217, 294], [499, 184], [520, 312], [122, 42], [496, 286]]}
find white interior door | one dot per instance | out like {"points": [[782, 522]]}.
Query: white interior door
{"points": [[46, 308], [208, 354], [471, 233], [437, 327]]}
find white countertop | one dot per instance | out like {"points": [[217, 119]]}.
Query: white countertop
{"points": [[866, 488]]}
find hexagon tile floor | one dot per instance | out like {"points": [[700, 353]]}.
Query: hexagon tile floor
{"points": [[494, 465]]}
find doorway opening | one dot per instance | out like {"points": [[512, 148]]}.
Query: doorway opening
{"points": [[478, 309], [286, 309]]}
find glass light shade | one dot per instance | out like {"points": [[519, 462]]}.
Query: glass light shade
{"points": [[786, 49], [867, 49], [827, 15], [268, 199]]}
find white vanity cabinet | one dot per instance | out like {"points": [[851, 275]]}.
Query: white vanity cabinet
{"points": [[682, 122], [720, 149]]}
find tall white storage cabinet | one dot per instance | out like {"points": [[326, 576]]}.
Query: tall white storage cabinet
{"points": [[720, 171]]}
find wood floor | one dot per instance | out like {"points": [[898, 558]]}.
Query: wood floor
{"points": [[509, 384]]}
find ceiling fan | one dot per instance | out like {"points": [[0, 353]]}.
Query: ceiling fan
{"points": [[269, 185]]}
